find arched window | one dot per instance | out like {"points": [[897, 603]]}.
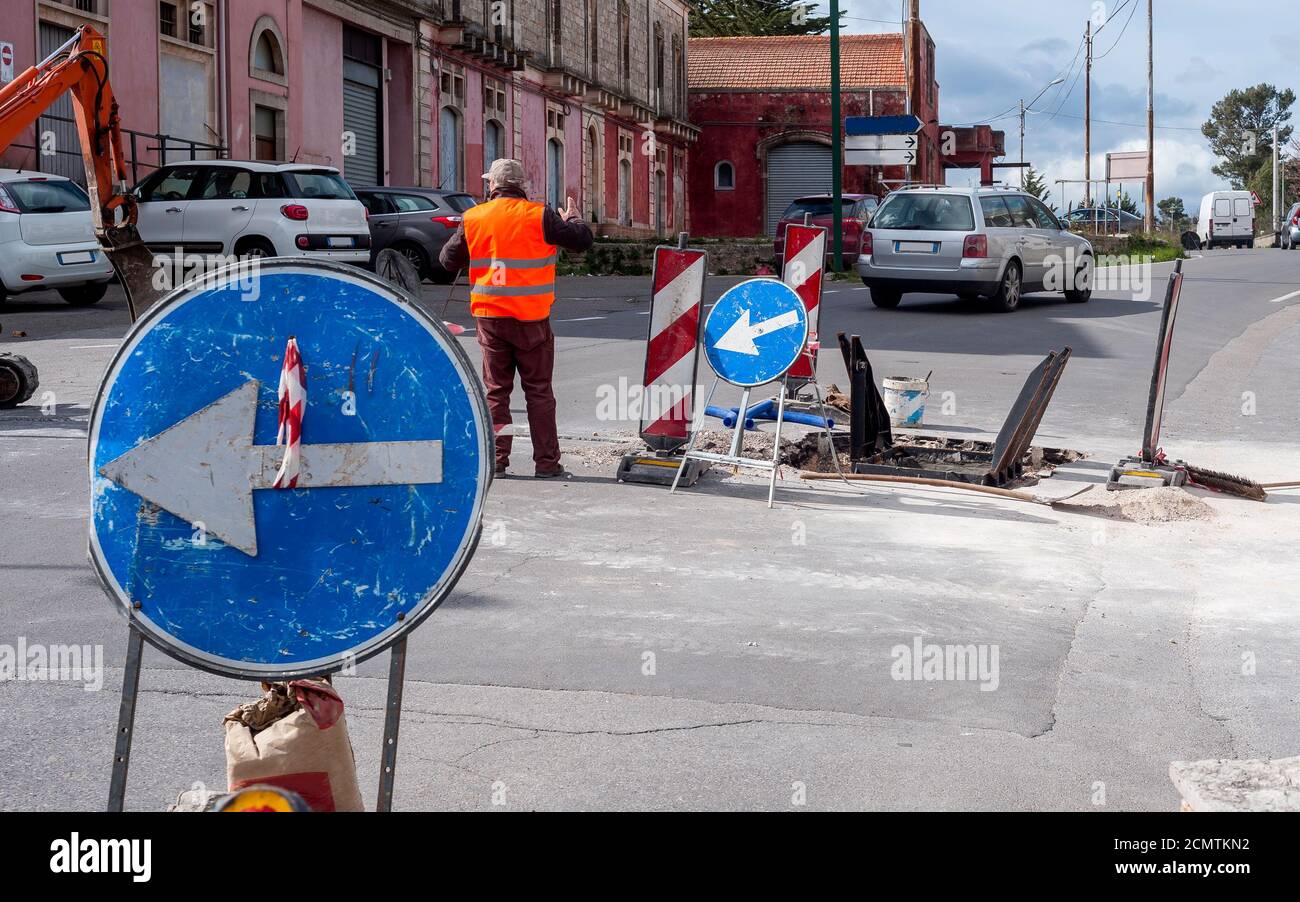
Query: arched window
{"points": [[593, 36], [724, 176], [625, 192], [451, 178], [557, 28], [555, 174], [593, 175], [493, 142], [657, 76], [624, 42], [266, 55]]}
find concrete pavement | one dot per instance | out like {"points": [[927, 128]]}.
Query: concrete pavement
{"points": [[615, 647]]}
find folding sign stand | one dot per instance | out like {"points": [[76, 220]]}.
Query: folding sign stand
{"points": [[671, 362], [192, 598], [131, 691], [754, 335]]}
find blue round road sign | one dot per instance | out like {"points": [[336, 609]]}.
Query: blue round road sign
{"points": [[755, 332], [215, 565]]}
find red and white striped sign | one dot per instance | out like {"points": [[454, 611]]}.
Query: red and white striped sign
{"points": [[805, 259], [673, 348], [293, 404]]}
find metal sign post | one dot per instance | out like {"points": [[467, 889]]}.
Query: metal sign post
{"points": [[195, 543], [753, 335]]}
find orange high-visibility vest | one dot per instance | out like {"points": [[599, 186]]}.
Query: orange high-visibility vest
{"points": [[511, 267]]}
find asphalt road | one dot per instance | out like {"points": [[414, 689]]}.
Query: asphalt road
{"points": [[612, 646]]}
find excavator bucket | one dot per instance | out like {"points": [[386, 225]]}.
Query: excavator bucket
{"points": [[135, 267]]}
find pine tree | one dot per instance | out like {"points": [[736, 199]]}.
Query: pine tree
{"points": [[1036, 185], [731, 18]]}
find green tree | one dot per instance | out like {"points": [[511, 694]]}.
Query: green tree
{"points": [[1124, 201], [1240, 131], [1036, 185], [732, 18], [1173, 213]]}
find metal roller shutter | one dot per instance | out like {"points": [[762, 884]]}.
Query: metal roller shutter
{"points": [[67, 159], [795, 170], [361, 118]]}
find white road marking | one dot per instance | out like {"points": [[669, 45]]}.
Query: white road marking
{"points": [[89, 347], [581, 319], [1285, 297]]}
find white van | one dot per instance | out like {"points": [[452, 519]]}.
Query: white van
{"points": [[1227, 220]]}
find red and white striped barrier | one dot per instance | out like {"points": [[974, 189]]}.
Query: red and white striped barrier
{"points": [[672, 351], [293, 404], [802, 267]]}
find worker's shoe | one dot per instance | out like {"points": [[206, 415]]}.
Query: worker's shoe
{"points": [[558, 473], [501, 469]]}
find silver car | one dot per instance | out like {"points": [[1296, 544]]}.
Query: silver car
{"points": [[995, 243], [1289, 240]]}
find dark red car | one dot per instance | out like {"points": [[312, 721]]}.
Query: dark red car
{"points": [[857, 210]]}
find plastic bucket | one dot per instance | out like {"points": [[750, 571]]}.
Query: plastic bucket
{"points": [[905, 400]]}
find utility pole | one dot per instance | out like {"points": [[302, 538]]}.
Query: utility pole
{"points": [[1277, 203], [1022, 142], [1151, 121], [837, 143], [1087, 120]]}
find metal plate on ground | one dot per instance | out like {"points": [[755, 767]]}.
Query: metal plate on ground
{"points": [[219, 569]]}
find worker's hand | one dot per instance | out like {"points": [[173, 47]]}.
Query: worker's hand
{"points": [[571, 211]]}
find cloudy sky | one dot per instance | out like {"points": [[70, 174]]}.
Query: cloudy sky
{"points": [[991, 54]]}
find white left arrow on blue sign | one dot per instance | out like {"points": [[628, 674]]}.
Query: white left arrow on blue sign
{"points": [[740, 337], [205, 468]]}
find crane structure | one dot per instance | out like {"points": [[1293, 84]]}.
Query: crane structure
{"points": [[81, 67]]}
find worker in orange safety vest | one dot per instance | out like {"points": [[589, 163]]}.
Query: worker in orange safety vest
{"points": [[510, 245]]}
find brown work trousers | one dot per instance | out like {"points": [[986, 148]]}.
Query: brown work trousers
{"points": [[509, 346]]}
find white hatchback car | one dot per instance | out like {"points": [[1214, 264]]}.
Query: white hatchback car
{"points": [[247, 209], [47, 239]]}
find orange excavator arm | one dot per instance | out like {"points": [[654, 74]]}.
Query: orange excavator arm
{"points": [[81, 66]]}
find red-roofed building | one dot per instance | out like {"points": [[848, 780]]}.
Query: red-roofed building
{"points": [[763, 105]]}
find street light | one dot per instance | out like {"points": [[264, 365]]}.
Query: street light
{"points": [[1024, 109]]}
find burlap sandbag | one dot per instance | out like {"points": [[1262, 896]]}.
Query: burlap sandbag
{"points": [[294, 737]]}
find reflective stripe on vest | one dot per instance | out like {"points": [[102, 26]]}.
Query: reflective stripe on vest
{"points": [[511, 267]]}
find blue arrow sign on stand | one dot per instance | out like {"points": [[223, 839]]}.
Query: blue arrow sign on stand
{"points": [[220, 569], [881, 125], [755, 332]]}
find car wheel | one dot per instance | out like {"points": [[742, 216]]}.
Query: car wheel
{"points": [[1079, 295], [440, 276], [1008, 297], [255, 249], [18, 380], [416, 256], [886, 298], [84, 295]]}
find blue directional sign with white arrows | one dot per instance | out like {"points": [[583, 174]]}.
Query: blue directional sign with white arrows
{"points": [[206, 557], [881, 125], [755, 332]]}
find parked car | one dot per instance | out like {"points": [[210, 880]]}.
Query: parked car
{"points": [[47, 238], [857, 210], [415, 221], [1227, 219], [996, 243], [1106, 220], [1290, 237], [250, 209]]}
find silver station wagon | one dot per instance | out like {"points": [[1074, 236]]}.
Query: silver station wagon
{"points": [[993, 242]]}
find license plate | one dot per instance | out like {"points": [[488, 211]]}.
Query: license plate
{"points": [[341, 242], [916, 247], [71, 257]]}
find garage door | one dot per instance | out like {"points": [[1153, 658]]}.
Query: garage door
{"points": [[795, 170], [361, 118]]}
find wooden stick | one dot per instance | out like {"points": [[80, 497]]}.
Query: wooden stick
{"points": [[937, 483], [1281, 485]]}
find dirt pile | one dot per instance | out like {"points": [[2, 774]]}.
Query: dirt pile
{"points": [[1159, 505]]}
